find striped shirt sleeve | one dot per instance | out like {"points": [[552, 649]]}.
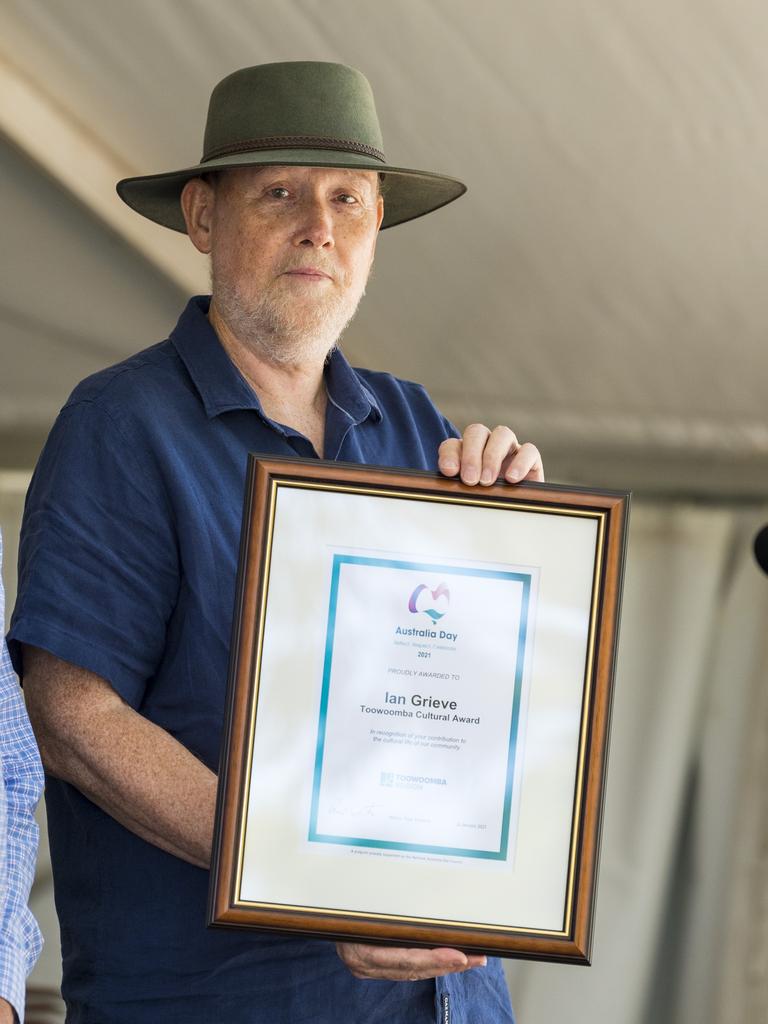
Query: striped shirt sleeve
{"points": [[20, 789]]}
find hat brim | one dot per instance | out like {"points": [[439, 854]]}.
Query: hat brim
{"points": [[408, 193]]}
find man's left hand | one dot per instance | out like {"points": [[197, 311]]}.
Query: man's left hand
{"points": [[483, 456]]}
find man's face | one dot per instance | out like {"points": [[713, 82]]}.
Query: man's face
{"points": [[291, 249]]}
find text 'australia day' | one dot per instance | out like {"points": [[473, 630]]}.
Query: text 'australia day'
{"points": [[428, 634]]}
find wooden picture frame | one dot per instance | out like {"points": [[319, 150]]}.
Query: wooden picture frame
{"points": [[417, 722]]}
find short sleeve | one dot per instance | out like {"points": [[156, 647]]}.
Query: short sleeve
{"points": [[98, 557]]}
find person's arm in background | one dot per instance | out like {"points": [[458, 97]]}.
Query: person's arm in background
{"points": [[21, 783]]}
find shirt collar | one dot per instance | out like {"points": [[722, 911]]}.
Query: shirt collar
{"points": [[221, 386]]}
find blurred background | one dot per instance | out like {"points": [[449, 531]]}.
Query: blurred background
{"points": [[602, 288]]}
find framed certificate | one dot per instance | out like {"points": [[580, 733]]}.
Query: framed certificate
{"points": [[418, 712]]}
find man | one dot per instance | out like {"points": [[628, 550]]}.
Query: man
{"points": [[129, 558], [22, 784]]}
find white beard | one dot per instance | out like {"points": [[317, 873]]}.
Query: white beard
{"points": [[283, 329]]}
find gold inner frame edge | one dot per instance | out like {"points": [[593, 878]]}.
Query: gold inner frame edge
{"points": [[275, 482]]}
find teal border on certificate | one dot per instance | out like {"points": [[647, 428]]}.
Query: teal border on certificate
{"points": [[517, 577]]}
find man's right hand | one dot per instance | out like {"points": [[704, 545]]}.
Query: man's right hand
{"points": [[395, 964]]}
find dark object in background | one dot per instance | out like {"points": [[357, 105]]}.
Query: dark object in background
{"points": [[761, 549]]}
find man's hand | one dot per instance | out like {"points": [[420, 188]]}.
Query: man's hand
{"points": [[483, 455], [7, 1013], [394, 964]]}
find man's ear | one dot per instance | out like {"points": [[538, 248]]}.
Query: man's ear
{"points": [[197, 201], [379, 218]]}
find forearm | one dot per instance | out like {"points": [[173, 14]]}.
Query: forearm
{"points": [[146, 780], [125, 764], [22, 783], [7, 1015]]}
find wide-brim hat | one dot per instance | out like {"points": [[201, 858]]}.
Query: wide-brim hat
{"points": [[299, 113]]}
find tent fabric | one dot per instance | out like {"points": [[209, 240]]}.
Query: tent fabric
{"points": [[600, 286]]}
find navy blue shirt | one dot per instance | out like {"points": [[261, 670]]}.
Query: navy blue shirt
{"points": [[127, 568]]}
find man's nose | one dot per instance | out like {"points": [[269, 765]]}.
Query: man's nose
{"points": [[316, 225]]}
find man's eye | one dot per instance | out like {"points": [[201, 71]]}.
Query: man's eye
{"points": [[279, 192], [345, 197]]}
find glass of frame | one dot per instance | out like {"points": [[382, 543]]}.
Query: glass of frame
{"points": [[418, 710]]}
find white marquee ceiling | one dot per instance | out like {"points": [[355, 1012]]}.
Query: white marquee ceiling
{"points": [[602, 287]]}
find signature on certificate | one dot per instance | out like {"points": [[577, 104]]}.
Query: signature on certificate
{"points": [[347, 810]]}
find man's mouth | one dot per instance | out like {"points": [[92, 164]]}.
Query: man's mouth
{"points": [[308, 272]]}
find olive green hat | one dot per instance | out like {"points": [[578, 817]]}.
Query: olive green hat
{"points": [[301, 113]]}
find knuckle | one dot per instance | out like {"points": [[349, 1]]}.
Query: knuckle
{"points": [[506, 432], [450, 446]]}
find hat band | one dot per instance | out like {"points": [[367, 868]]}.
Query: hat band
{"points": [[294, 142]]}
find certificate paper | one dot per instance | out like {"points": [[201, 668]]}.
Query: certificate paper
{"points": [[422, 686]]}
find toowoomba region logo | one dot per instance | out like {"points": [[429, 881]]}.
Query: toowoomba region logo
{"points": [[432, 603]]}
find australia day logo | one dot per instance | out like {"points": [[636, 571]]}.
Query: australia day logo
{"points": [[432, 603]]}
